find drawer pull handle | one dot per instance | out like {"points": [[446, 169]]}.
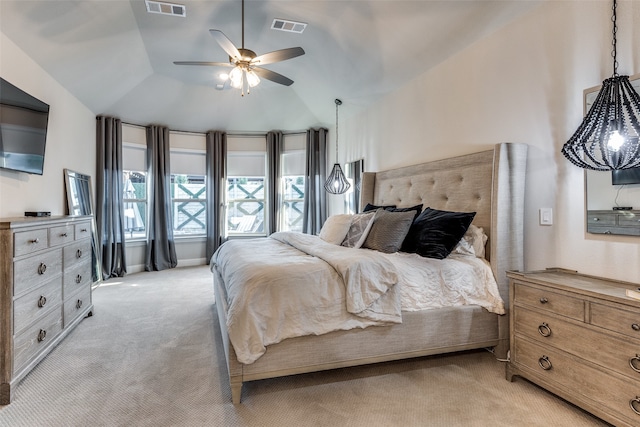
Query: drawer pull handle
{"points": [[545, 363], [34, 241], [78, 278], [635, 405], [79, 304], [596, 219], [79, 253], [635, 327], [543, 300], [42, 335], [63, 234], [83, 230], [42, 301], [632, 363], [544, 330], [42, 268]]}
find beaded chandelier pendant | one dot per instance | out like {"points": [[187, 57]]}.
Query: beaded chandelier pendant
{"points": [[607, 138]]}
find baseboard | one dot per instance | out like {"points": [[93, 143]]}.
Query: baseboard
{"points": [[194, 262]]}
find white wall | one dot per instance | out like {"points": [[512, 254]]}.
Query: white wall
{"points": [[525, 84], [70, 139]]}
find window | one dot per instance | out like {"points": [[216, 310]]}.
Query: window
{"points": [[293, 176], [246, 166], [188, 185], [134, 182]]}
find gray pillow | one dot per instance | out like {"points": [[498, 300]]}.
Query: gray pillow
{"points": [[389, 230]]}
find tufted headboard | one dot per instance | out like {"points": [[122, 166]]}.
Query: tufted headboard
{"points": [[490, 183]]}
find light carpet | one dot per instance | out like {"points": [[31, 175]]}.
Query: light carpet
{"points": [[152, 356]]}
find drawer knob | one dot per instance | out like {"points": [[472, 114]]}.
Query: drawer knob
{"points": [[79, 304], [635, 405], [544, 300], [633, 362], [544, 330], [596, 219], [42, 268], [78, 278], [79, 253], [545, 363], [42, 335], [63, 234], [635, 327], [34, 241], [42, 301]]}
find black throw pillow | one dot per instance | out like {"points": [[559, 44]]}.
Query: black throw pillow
{"points": [[435, 233], [417, 208], [371, 207]]}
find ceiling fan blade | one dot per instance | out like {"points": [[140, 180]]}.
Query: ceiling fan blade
{"points": [[273, 76], [214, 64], [225, 43], [278, 55]]}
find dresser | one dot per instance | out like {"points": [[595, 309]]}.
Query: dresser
{"points": [[579, 337], [614, 222], [45, 289]]}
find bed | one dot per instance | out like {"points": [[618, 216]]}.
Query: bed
{"points": [[489, 183]]}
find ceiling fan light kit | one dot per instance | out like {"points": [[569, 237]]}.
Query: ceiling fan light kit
{"points": [[246, 73], [608, 137]]}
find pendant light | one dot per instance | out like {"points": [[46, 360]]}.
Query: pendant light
{"points": [[607, 138], [337, 183]]}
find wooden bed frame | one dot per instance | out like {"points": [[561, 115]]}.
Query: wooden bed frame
{"points": [[491, 183]]}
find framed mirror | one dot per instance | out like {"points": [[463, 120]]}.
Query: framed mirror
{"points": [[78, 186], [353, 172], [606, 193]]}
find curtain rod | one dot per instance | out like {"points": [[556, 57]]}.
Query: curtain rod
{"points": [[245, 134]]}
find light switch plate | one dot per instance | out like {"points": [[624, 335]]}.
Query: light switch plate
{"points": [[546, 216]]}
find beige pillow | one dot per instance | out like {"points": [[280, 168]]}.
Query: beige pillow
{"points": [[335, 228]]}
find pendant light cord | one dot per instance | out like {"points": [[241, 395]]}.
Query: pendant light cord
{"points": [[338, 102], [614, 52]]}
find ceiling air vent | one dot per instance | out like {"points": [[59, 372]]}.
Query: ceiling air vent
{"points": [[164, 8], [289, 26]]}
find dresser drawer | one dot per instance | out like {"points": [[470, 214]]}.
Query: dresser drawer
{"points": [[31, 342], [549, 301], [75, 279], [29, 307], [616, 319], [587, 343], [77, 253], [35, 270], [26, 242], [75, 305], [82, 231], [579, 378], [61, 235]]}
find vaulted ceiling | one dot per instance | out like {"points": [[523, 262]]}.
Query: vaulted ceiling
{"points": [[117, 58]]}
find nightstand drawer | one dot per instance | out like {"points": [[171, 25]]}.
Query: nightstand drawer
{"points": [[549, 301], [575, 377], [617, 320], [602, 218], [587, 343], [36, 303]]}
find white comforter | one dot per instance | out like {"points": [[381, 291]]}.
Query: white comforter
{"points": [[294, 284]]}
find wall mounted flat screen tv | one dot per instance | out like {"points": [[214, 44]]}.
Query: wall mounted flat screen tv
{"points": [[625, 176], [23, 130]]}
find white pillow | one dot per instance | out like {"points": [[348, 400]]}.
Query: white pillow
{"points": [[335, 228], [472, 243]]}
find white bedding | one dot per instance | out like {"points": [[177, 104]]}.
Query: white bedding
{"points": [[290, 288]]}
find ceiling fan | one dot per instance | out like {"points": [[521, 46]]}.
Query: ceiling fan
{"points": [[246, 72]]}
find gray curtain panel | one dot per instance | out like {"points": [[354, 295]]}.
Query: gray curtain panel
{"points": [[110, 210], [275, 147], [315, 198], [161, 249], [216, 165]]}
